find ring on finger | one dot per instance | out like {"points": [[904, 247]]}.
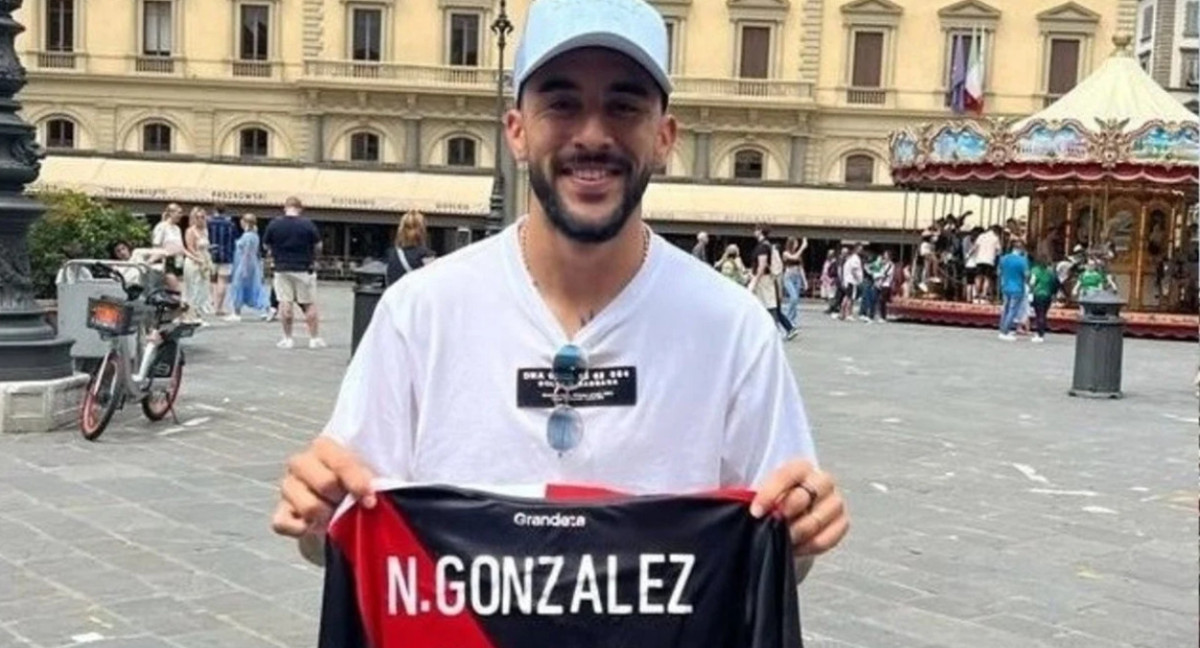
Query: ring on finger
{"points": [[812, 493]]}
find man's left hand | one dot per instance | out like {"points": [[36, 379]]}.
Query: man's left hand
{"points": [[810, 503]]}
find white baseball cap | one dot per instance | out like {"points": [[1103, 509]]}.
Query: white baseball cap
{"points": [[631, 27]]}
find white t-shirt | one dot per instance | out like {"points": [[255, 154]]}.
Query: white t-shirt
{"points": [[431, 394], [852, 271], [987, 248], [166, 235]]}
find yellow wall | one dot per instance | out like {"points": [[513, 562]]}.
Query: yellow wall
{"points": [[799, 119]]}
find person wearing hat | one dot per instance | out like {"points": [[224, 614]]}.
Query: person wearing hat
{"points": [[444, 387]]}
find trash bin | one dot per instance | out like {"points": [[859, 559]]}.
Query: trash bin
{"points": [[369, 279], [1099, 346]]}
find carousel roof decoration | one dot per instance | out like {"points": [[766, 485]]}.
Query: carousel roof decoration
{"points": [[1117, 125]]}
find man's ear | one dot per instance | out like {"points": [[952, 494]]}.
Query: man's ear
{"points": [[664, 140], [514, 134]]}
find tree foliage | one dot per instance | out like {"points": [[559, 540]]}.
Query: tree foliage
{"points": [[77, 226]]}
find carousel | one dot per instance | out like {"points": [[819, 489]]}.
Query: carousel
{"points": [[1107, 174]]}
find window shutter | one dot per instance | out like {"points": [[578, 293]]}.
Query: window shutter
{"points": [[756, 52], [1064, 66], [868, 60]]}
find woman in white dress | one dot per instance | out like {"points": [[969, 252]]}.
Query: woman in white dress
{"points": [[198, 266]]}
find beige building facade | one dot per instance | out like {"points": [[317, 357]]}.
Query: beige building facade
{"points": [[367, 108]]}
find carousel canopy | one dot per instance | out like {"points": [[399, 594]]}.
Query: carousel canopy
{"points": [[1117, 126], [1119, 91]]}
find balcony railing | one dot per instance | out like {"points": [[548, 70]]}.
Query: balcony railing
{"points": [[57, 60], [154, 64], [1049, 99], [485, 79], [866, 96], [431, 75], [765, 88], [253, 69]]}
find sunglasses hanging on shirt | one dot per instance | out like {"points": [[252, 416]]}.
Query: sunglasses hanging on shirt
{"points": [[564, 429]]}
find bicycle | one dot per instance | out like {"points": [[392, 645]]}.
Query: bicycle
{"points": [[161, 358]]}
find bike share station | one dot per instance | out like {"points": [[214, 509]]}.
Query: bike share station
{"points": [[123, 322]]}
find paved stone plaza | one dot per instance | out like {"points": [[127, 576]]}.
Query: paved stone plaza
{"points": [[989, 508]]}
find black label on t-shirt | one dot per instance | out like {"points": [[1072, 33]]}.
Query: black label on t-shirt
{"points": [[604, 387]]}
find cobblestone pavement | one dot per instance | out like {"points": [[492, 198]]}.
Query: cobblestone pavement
{"points": [[990, 509]]}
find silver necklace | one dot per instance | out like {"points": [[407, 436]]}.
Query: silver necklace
{"points": [[523, 228]]}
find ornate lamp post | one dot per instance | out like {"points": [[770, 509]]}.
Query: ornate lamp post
{"points": [[501, 27], [29, 348]]}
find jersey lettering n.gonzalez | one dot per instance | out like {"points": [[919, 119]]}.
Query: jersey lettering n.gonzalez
{"points": [[445, 567]]}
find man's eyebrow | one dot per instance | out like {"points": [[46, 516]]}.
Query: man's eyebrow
{"points": [[630, 88], [556, 84]]}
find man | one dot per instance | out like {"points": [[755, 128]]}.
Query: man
{"points": [[852, 278], [580, 281], [294, 243], [700, 250], [222, 234], [1014, 275], [987, 247], [764, 280]]}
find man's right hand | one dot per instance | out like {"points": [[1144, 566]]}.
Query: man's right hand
{"points": [[316, 482]]}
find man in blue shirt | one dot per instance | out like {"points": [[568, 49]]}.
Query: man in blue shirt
{"points": [[222, 234], [1013, 270]]}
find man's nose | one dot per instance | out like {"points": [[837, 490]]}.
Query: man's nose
{"points": [[593, 133]]}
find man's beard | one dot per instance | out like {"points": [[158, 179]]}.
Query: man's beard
{"points": [[571, 225]]}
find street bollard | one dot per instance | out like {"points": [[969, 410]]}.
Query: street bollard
{"points": [[369, 279], [1099, 346]]}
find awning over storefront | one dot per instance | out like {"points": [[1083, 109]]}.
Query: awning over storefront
{"points": [[811, 207], [245, 184]]}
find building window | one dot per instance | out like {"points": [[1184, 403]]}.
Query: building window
{"points": [[367, 34], [364, 147], [748, 165], [460, 151], [255, 32], [1147, 23], [1191, 19], [860, 169], [966, 40], [60, 134], [60, 25], [672, 27], [754, 61], [464, 39], [156, 28], [867, 70], [254, 143], [1190, 72], [156, 138], [1144, 61], [1064, 66]]}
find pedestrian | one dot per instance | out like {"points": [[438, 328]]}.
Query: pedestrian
{"points": [[580, 282], [852, 278], [985, 250], [866, 309], [765, 276], [829, 275], [885, 278], [700, 249], [294, 243], [409, 253], [1043, 284], [795, 284], [246, 288], [198, 265], [222, 236], [730, 265], [1013, 271], [167, 237]]}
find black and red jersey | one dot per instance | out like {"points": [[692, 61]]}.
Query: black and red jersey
{"points": [[443, 567]]}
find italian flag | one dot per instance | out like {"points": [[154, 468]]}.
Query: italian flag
{"points": [[973, 90]]}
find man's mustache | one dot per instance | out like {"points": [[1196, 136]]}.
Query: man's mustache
{"points": [[622, 163]]}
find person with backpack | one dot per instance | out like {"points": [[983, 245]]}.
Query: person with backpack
{"points": [[768, 268], [1043, 284]]}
